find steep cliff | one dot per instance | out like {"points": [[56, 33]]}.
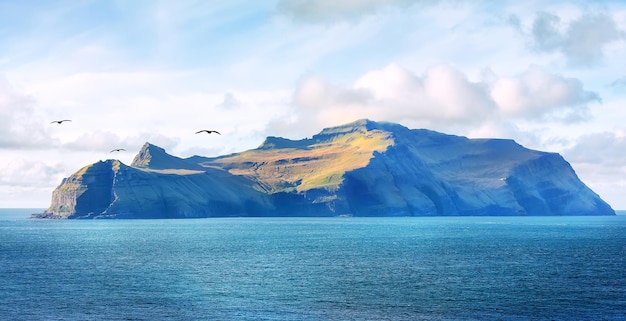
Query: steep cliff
{"points": [[363, 168], [111, 189], [450, 175]]}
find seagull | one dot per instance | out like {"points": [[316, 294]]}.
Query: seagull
{"points": [[117, 150], [208, 131], [59, 121]]}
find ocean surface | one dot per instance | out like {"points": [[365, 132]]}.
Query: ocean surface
{"points": [[434, 268]]}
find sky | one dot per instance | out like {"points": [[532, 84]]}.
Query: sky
{"points": [[549, 74]]}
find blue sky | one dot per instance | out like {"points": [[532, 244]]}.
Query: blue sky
{"points": [[549, 74]]}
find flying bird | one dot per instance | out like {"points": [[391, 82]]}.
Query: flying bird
{"points": [[208, 131], [117, 150], [59, 121]]}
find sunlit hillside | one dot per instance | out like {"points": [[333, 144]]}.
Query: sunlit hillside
{"points": [[319, 162]]}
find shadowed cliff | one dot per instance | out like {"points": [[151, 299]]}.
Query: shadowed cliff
{"points": [[363, 168], [111, 189]]}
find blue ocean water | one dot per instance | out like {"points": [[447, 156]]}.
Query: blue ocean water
{"points": [[434, 268]]}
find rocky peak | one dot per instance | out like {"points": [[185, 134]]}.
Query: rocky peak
{"points": [[144, 157], [272, 142], [362, 125], [154, 157]]}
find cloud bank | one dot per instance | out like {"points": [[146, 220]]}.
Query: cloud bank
{"points": [[444, 96]]}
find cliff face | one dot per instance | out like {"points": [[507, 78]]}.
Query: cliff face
{"points": [[111, 189], [84, 193], [487, 177], [363, 169]]}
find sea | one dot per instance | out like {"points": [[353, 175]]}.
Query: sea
{"points": [[343, 268]]}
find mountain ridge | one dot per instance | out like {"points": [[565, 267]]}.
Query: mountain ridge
{"points": [[363, 168]]}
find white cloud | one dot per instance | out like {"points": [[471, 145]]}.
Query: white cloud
{"points": [[539, 94], [395, 94], [443, 93], [444, 97]]}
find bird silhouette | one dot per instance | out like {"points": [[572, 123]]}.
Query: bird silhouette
{"points": [[117, 150], [208, 131], [59, 121]]}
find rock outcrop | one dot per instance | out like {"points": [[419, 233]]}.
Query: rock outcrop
{"points": [[363, 168], [110, 189]]}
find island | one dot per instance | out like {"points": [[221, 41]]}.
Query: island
{"points": [[364, 168]]}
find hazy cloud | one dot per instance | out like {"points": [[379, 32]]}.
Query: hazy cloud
{"points": [[104, 141], [545, 32], [20, 126], [608, 148], [316, 92], [618, 83], [587, 36], [229, 102], [582, 41], [95, 141], [27, 173], [332, 10], [497, 127], [515, 22], [599, 161]]}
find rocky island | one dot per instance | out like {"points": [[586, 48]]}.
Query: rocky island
{"points": [[364, 168]]}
